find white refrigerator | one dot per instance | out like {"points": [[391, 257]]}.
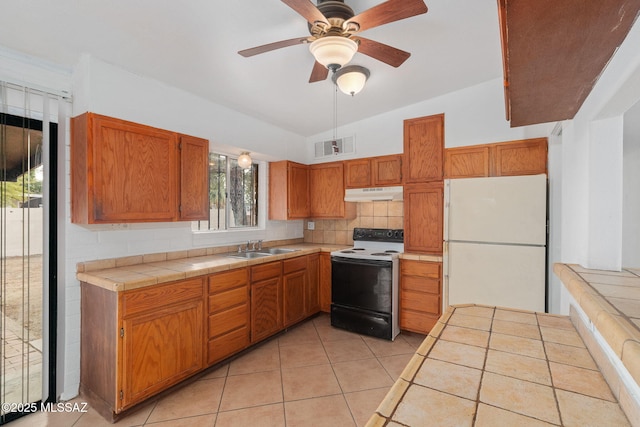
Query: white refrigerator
{"points": [[495, 237]]}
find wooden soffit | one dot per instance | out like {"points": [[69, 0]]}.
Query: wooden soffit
{"points": [[554, 51]]}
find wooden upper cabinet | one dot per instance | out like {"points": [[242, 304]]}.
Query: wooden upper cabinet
{"points": [[423, 207], [387, 170], [127, 172], [288, 190], [373, 171], [466, 162], [194, 178], [326, 192], [357, 173], [524, 157], [423, 149]]}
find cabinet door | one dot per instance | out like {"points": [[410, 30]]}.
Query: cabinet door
{"points": [[298, 191], [357, 173], [288, 190], [466, 162], [134, 172], [266, 308], [266, 300], [423, 149], [293, 295], [313, 280], [526, 157], [387, 170], [194, 178], [161, 348], [327, 192], [325, 282], [423, 215]]}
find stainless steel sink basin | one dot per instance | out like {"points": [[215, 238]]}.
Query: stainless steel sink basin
{"points": [[248, 255], [276, 251]]}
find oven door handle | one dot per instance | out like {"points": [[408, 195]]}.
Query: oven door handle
{"points": [[357, 261]]}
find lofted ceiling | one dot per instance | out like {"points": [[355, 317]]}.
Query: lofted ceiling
{"points": [[193, 45]]}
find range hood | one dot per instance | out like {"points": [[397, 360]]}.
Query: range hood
{"points": [[371, 194]]}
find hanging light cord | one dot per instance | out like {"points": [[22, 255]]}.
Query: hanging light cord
{"points": [[335, 112]]}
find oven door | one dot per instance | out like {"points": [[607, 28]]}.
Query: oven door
{"points": [[363, 284]]}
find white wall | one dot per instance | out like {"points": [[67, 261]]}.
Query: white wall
{"points": [[631, 188], [474, 115], [592, 194]]}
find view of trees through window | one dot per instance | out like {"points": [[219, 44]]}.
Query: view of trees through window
{"points": [[233, 195]]}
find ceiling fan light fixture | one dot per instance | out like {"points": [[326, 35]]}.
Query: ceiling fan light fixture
{"points": [[351, 79], [333, 51], [244, 160]]}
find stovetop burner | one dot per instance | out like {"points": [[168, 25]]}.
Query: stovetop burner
{"points": [[374, 244]]}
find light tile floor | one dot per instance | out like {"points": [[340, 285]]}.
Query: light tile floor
{"points": [[312, 375]]}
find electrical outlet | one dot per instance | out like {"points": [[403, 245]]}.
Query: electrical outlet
{"points": [[311, 225]]}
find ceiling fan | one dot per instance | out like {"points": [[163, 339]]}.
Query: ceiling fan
{"points": [[334, 29]]}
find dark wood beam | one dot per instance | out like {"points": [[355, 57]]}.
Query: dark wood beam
{"points": [[555, 50]]}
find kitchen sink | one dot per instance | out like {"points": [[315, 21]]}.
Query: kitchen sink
{"points": [[276, 251], [248, 255]]}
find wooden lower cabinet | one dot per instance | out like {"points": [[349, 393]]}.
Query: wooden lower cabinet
{"points": [[312, 297], [420, 295], [229, 314], [294, 282], [162, 337], [138, 343], [324, 277], [266, 300]]}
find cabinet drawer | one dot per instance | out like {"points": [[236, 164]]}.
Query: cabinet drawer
{"points": [[420, 269], [227, 280], [419, 301], [152, 297], [294, 264], [417, 322], [228, 320], [420, 284], [227, 344], [224, 300], [266, 271]]}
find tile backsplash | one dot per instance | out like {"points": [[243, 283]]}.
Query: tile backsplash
{"points": [[381, 214]]}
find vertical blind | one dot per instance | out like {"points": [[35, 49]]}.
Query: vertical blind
{"points": [[28, 133]]}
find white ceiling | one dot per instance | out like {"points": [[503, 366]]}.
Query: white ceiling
{"points": [[193, 45]]}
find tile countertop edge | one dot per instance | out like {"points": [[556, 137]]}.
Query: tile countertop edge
{"points": [[622, 336], [120, 276], [395, 395]]}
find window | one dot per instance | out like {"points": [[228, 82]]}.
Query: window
{"points": [[233, 195]]}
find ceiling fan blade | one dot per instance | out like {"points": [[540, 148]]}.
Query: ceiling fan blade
{"points": [[308, 10], [389, 11], [272, 46], [319, 73], [382, 52]]}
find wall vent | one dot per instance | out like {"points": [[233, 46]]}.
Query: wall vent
{"points": [[338, 147]]}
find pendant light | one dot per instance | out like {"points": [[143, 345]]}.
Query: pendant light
{"points": [[244, 160]]}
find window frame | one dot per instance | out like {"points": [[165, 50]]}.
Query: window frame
{"points": [[261, 205]]}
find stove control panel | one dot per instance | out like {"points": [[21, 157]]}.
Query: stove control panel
{"points": [[379, 235]]}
